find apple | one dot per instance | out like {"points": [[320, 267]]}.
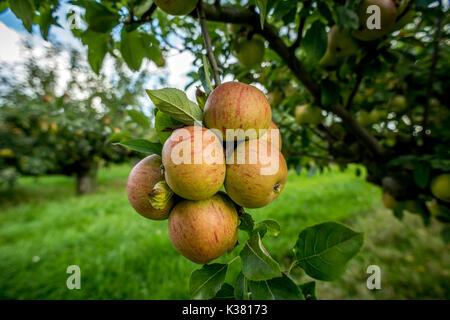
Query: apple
{"points": [[340, 45], [440, 187], [272, 132], [308, 114], [387, 16], [255, 178], [194, 162], [204, 230], [250, 52], [143, 177], [398, 103], [236, 105]]}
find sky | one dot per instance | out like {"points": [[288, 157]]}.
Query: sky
{"points": [[12, 33]]}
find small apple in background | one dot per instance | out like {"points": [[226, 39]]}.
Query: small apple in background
{"points": [[200, 173], [308, 114], [440, 187], [141, 181], [236, 105], [398, 103], [176, 7], [250, 52], [204, 230], [340, 45]]}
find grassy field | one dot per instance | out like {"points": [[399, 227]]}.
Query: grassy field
{"points": [[44, 228]]}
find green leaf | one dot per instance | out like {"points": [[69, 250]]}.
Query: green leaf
{"points": [[142, 145], [241, 288], [309, 290], [262, 6], [315, 41], [203, 74], [330, 93], [175, 103], [347, 18], [24, 10], [116, 137], [98, 17], [323, 250], [282, 288], [141, 7], [206, 282], [139, 117], [271, 227], [132, 48], [422, 172], [97, 48], [46, 19], [246, 223], [162, 122], [226, 292], [257, 264]]}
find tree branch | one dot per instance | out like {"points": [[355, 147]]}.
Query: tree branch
{"points": [[242, 16], [207, 40], [437, 37], [298, 41], [359, 77]]}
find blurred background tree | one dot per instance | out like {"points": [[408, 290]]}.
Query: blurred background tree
{"points": [[71, 134]]}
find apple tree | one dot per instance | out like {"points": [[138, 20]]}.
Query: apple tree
{"points": [[358, 81], [48, 127]]}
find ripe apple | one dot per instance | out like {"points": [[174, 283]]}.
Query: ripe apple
{"points": [[143, 177], [440, 187], [194, 162], [204, 230], [250, 52], [177, 7], [308, 114], [387, 16], [236, 105], [273, 131], [253, 180]]}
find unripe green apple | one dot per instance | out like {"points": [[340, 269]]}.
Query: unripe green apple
{"points": [[236, 105], [141, 181], [387, 16], [340, 45], [272, 132], [433, 207], [389, 201], [257, 174], [204, 230], [176, 7], [250, 52], [276, 97], [194, 163], [440, 187], [308, 114], [398, 103]]}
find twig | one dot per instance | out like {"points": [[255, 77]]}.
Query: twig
{"points": [[298, 41], [146, 17], [437, 37], [359, 77], [207, 40]]}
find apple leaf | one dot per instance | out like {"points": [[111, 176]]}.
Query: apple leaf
{"points": [[315, 41], [24, 10], [206, 282], [97, 48], [139, 117], [309, 290], [226, 292], [323, 250], [142, 146], [117, 136], [241, 288], [269, 227], [175, 103], [281, 288], [162, 122], [262, 6], [246, 223], [421, 172], [257, 264]]}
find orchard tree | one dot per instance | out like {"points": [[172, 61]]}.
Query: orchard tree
{"points": [[358, 81], [45, 132]]}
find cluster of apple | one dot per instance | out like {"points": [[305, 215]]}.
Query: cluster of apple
{"points": [[238, 150]]}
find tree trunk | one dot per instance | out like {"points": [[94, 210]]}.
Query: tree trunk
{"points": [[87, 179]]}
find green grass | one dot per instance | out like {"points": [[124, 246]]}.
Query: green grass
{"points": [[44, 228]]}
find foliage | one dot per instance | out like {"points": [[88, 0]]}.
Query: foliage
{"points": [[411, 60], [44, 131]]}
